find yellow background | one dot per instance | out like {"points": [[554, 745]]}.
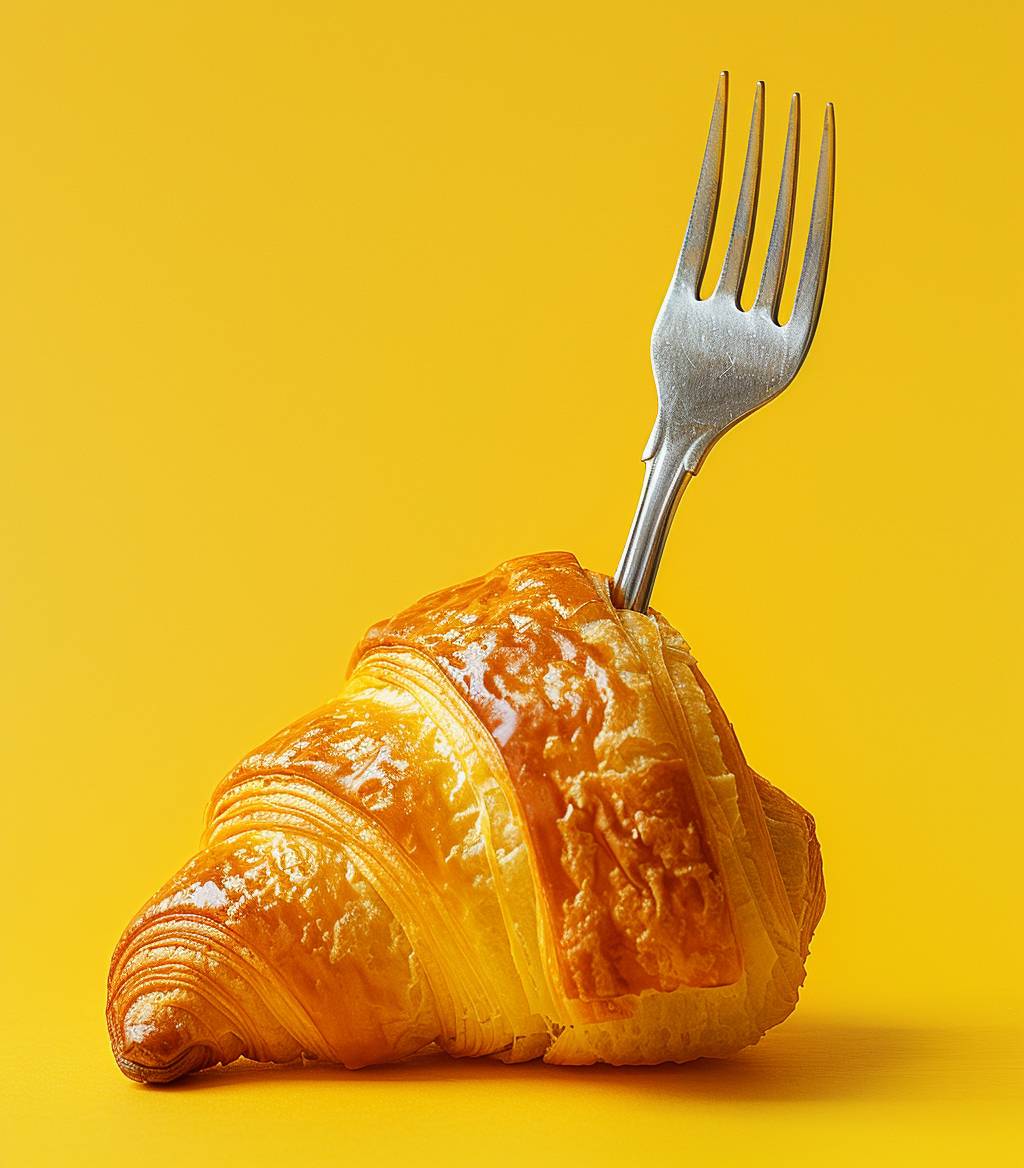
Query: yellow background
{"points": [[307, 309]]}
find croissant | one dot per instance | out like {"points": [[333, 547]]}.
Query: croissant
{"points": [[523, 829]]}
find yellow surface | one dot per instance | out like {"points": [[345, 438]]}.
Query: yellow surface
{"points": [[308, 309]]}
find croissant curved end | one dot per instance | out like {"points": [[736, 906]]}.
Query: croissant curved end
{"points": [[157, 1042], [523, 829]]}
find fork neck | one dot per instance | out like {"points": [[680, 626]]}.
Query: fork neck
{"points": [[665, 479]]}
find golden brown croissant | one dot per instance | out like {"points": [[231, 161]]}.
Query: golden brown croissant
{"points": [[524, 829]]}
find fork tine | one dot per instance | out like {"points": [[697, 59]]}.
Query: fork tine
{"points": [[769, 293], [730, 282], [693, 258], [811, 289]]}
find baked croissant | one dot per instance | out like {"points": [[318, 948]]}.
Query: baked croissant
{"points": [[524, 829]]}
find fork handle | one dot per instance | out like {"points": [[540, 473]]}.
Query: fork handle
{"points": [[665, 479]]}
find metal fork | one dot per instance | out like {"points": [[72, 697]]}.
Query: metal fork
{"points": [[714, 363]]}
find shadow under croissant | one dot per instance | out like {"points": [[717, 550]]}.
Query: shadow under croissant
{"points": [[808, 1059]]}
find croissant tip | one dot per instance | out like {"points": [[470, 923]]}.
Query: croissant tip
{"points": [[155, 1042]]}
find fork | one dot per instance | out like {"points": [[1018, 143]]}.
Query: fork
{"points": [[714, 362]]}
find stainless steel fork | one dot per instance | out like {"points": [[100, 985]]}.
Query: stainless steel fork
{"points": [[714, 363]]}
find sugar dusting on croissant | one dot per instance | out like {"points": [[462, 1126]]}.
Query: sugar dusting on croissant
{"points": [[524, 829]]}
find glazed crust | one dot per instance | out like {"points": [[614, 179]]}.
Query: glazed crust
{"points": [[524, 829], [630, 882]]}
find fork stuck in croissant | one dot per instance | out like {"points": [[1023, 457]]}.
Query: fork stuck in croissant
{"points": [[523, 829]]}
